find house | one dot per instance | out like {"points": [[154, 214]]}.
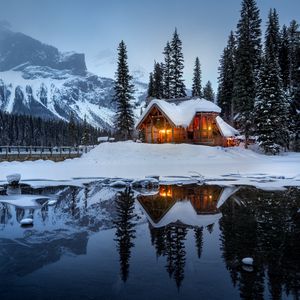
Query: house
{"points": [[192, 120]]}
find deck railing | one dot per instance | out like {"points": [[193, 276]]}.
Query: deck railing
{"points": [[9, 153]]}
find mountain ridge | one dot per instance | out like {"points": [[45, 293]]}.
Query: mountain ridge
{"points": [[42, 81]]}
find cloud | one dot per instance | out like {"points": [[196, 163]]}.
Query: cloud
{"points": [[4, 24], [104, 56]]}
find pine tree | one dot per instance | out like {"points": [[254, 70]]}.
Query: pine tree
{"points": [[158, 89], [226, 79], [294, 77], [247, 65], [71, 129], [24, 130], [271, 107], [176, 68], [196, 88], [294, 44], [86, 135], [208, 92], [167, 71], [150, 86], [124, 121], [284, 58]]}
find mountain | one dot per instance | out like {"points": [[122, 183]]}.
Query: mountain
{"points": [[39, 80]]}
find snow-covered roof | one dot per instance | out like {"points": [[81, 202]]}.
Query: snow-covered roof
{"points": [[183, 212], [181, 114], [225, 129]]}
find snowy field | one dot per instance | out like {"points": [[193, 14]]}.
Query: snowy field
{"points": [[136, 160]]}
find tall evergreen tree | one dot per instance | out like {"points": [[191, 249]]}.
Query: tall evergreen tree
{"points": [[167, 71], [294, 44], [72, 130], [177, 82], [248, 56], [284, 58], [208, 92], [124, 121], [86, 134], [150, 86], [294, 77], [196, 88], [271, 108], [226, 79], [158, 91]]}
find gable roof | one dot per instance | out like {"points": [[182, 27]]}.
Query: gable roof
{"points": [[180, 114]]}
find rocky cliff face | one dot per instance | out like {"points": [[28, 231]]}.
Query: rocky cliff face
{"points": [[39, 80]]}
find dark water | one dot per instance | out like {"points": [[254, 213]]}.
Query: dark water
{"points": [[177, 242]]}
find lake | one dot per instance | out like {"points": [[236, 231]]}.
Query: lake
{"points": [[93, 241]]}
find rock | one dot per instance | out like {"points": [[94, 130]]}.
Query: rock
{"points": [[149, 183], [247, 268], [118, 184], [26, 222], [13, 179], [13, 190], [153, 176], [247, 261]]}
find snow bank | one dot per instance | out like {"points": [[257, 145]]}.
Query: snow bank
{"points": [[24, 201], [137, 160]]}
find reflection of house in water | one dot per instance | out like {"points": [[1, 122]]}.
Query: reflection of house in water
{"points": [[190, 205], [173, 211]]}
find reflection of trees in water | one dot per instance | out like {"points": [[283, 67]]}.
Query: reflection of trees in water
{"points": [[198, 233], [169, 242], [265, 226], [125, 232]]}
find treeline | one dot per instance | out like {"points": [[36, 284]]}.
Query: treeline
{"points": [[23, 130], [259, 83], [166, 81]]}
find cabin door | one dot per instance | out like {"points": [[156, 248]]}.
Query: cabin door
{"points": [[165, 136]]}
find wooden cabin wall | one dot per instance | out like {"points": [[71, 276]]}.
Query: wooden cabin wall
{"points": [[202, 130], [180, 135]]}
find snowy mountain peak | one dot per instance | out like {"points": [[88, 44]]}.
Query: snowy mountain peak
{"points": [[39, 80], [17, 49]]}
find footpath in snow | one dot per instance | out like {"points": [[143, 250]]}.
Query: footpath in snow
{"points": [[137, 160]]}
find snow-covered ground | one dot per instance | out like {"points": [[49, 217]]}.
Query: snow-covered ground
{"points": [[137, 160]]}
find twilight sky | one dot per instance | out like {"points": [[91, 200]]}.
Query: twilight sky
{"points": [[95, 27]]}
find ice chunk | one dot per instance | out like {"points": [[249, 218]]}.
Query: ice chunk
{"points": [[13, 179], [247, 261], [52, 202], [26, 221]]}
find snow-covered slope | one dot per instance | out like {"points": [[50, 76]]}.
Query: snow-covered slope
{"points": [[137, 160], [39, 80]]}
